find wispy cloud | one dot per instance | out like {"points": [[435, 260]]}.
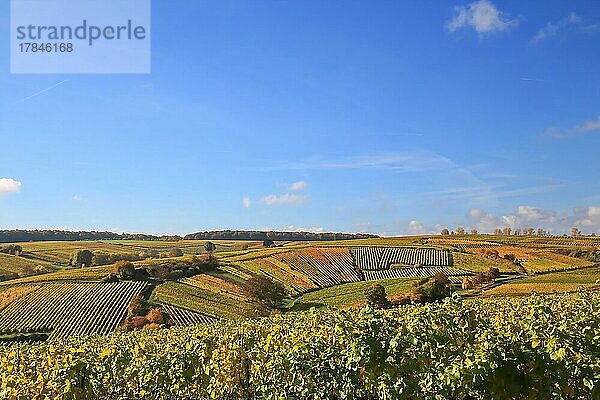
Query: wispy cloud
{"points": [[297, 186], [587, 126], [415, 161], [284, 199], [553, 28], [40, 92], [483, 16], [246, 202], [78, 198]]}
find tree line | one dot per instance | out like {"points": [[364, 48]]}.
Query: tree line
{"points": [[22, 235]]}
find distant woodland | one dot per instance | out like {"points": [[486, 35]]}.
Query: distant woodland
{"points": [[13, 236]]}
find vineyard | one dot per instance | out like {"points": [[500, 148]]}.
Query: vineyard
{"points": [[183, 317], [537, 347], [22, 266], [294, 281], [375, 258], [70, 308], [210, 302], [323, 266], [372, 275], [566, 281], [349, 294]]}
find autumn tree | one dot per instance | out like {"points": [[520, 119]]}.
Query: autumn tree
{"points": [[265, 291], [445, 232], [506, 231], [541, 232], [473, 231], [155, 316], [138, 306], [575, 232], [124, 269], [528, 231], [460, 230]]}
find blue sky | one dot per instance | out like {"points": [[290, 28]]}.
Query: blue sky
{"points": [[384, 117]]}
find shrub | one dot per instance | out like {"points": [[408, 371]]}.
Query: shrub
{"points": [[151, 326], [377, 297], [468, 283], [493, 273], [490, 253], [175, 252], [155, 316], [209, 247], [112, 277], [124, 269], [139, 322]]}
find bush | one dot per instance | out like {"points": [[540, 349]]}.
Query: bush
{"points": [[151, 326], [468, 283], [175, 252], [139, 322], [493, 273], [112, 277], [155, 316], [265, 291], [124, 269], [490, 253], [377, 297], [431, 289]]}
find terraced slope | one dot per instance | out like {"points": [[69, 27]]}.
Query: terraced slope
{"points": [[68, 309]]}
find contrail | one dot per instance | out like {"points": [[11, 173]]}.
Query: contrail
{"points": [[524, 78], [42, 91]]}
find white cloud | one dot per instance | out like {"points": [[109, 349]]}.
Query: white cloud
{"points": [[587, 126], [483, 16], [8, 185], [588, 219], [417, 228], [246, 202], [77, 197], [552, 28], [284, 199], [313, 229], [297, 186]]}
